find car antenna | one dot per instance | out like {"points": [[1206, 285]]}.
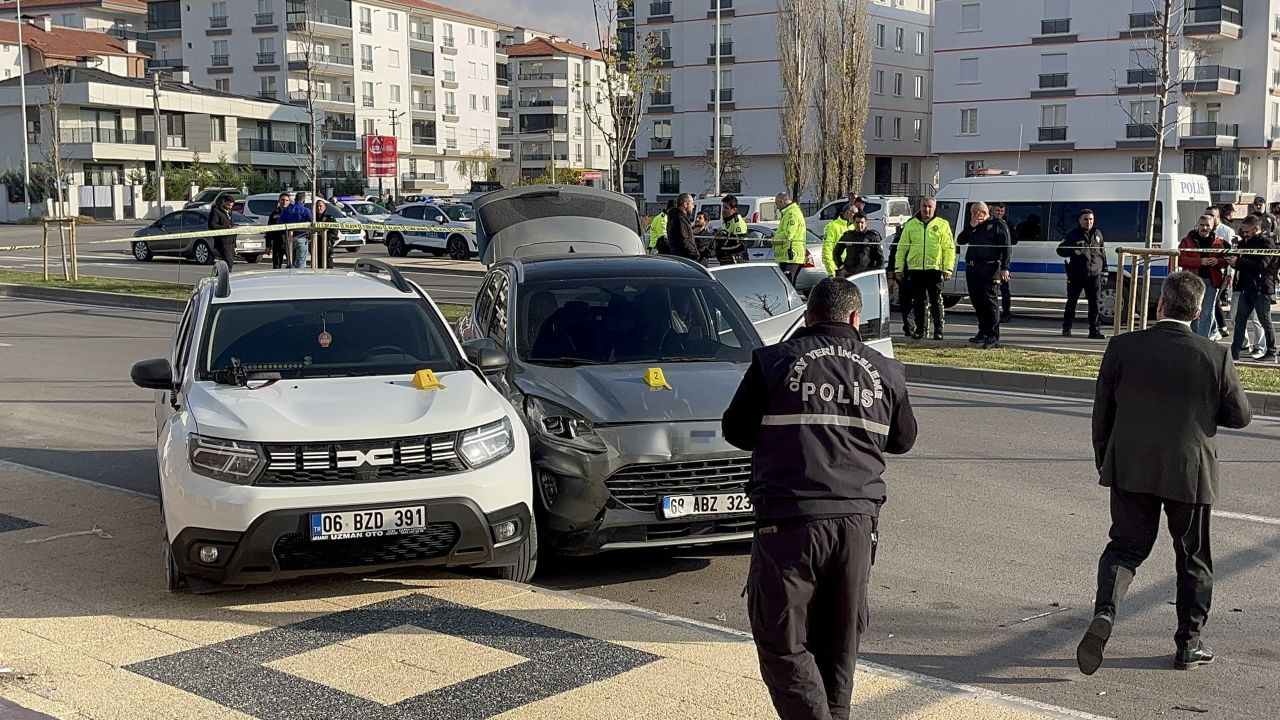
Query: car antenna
{"points": [[222, 288]]}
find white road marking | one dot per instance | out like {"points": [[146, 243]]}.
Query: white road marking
{"points": [[61, 476], [1246, 517]]}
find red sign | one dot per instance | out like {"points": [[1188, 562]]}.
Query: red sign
{"points": [[380, 156]]}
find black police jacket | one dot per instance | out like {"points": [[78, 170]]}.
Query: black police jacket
{"points": [[857, 252], [819, 411], [1257, 273], [1090, 263], [988, 243]]}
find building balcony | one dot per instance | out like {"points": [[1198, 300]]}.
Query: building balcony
{"points": [[1052, 137], [1213, 23], [164, 29], [218, 25], [422, 38], [339, 137], [266, 61], [450, 114], [165, 64], [1212, 79], [725, 55], [423, 107], [1053, 134], [660, 102], [287, 147], [663, 55], [269, 94], [417, 178], [1053, 85], [543, 157], [449, 45], [366, 100], [449, 79], [724, 6], [115, 136], [299, 97], [366, 28], [1140, 131], [1208, 135], [321, 23], [220, 61], [660, 11], [264, 20], [424, 140], [504, 122], [423, 71], [726, 95], [543, 79], [323, 63]]}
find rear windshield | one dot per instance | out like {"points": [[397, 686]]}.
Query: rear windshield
{"points": [[263, 206], [536, 204], [768, 211], [642, 320], [328, 338]]}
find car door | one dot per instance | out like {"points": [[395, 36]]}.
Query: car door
{"points": [[765, 295], [167, 225], [434, 217], [874, 326], [759, 244], [411, 216], [192, 221]]}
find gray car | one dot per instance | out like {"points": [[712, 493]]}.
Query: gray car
{"points": [[200, 249]]}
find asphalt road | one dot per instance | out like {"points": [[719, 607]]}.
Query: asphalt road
{"points": [[989, 543]]}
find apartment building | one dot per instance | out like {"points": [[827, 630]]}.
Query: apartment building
{"points": [[673, 152], [414, 69], [554, 106], [125, 18], [46, 44], [1061, 86], [107, 126]]}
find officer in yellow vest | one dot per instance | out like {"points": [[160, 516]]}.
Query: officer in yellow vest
{"points": [[832, 234], [658, 228], [789, 240]]}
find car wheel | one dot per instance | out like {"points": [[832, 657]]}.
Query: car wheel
{"points": [[395, 245], [527, 562], [251, 258], [355, 248], [174, 580], [201, 253], [458, 249], [142, 252]]}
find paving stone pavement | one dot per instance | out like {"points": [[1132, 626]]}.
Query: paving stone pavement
{"points": [[88, 633]]}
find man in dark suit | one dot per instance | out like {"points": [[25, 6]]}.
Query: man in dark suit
{"points": [[1162, 394]]}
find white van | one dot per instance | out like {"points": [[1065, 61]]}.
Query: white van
{"points": [[755, 209], [886, 214], [1042, 209]]}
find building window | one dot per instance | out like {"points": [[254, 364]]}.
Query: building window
{"points": [[917, 130], [393, 58], [1057, 166], [880, 33], [366, 57], [970, 17], [969, 71], [370, 126], [969, 121], [670, 182], [366, 93], [661, 135], [366, 20], [919, 87], [484, 103], [471, 36], [1053, 123], [218, 128], [897, 84], [877, 127], [919, 42], [897, 128], [904, 173], [1147, 163], [879, 82], [973, 167], [1275, 169], [222, 84], [393, 21], [395, 94], [899, 39]]}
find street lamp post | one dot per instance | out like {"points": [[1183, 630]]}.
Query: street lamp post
{"points": [[715, 143], [22, 88]]}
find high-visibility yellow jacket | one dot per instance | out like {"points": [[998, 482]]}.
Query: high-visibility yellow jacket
{"points": [[834, 231], [789, 240], [924, 246], [657, 229]]}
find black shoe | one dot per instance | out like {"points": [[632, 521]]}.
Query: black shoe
{"points": [[1066, 332], [937, 335], [1268, 356], [917, 336], [1192, 656], [1235, 357], [978, 339], [1089, 652], [1007, 317], [990, 344], [1095, 335]]}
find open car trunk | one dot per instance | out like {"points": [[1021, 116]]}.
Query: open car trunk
{"points": [[542, 220]]}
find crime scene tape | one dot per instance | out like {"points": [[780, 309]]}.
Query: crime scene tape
{"points": [[1170, 252], [256, 230]]}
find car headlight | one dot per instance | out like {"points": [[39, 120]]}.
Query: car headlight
{"points": [[231, 461], [562, 426], [487, 443]]}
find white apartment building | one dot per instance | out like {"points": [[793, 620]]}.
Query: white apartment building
{"points": [[1060, 86], [414, 69], [127, 18], [107, 127], [673, 151], [545, 120]]}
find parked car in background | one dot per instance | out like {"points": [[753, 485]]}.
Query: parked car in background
{"points": [[206, 198], [349, 240], [366, 211], [249, 247], [755, 209], [450, 228], [886, 214], [759, 244]]}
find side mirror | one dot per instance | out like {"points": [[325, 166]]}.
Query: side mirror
{"points": [[152, 374], [486, 355]]}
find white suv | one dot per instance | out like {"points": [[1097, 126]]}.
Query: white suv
{"points": [[332, 423], [449, 228]]}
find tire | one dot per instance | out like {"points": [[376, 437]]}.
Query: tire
{"points": [[174, 580], [355, 248], [142, 252], [950, 301], [396, 246], [251, 258], [527, 563], [201, 253], [458, 248]]}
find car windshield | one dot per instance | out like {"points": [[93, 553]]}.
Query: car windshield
{"points": [[328, 338], [459, 213], [631, 320], [366, 208]]}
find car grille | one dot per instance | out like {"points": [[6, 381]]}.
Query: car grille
{"points": [[296, 551], [365, 461], [640, 486]]}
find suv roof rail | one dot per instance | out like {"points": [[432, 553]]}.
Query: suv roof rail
{"points": [[222, 287], [370, 265]]}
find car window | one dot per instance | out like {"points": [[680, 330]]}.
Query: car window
{"points": [[459, 213], [591, 321], [899, 208], [874, 289], [712, 210], [768, 211], [239, 219], [412, 213], [262, 207], [192, 219], [760, 290], [496, 328], [832, 211], [172, 220], [182, 339], [1122, 222], [332, 337], [869, 208], [484, 303]]}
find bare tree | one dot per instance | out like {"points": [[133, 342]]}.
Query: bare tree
{"points": [[631, 73], [797, 21], [55, 79], [735, 160], [301, 22], [842, 55]]}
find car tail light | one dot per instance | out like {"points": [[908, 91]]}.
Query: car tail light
{"points": [[755, 216], [808, 259]]}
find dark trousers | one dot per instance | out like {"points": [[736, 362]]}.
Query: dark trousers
{"points": [[926, 288], [791, 270], [1006, 299], [279, 255], [224, 249], [807, 600], [1135, 522], [906, 304], [1089, 284], [1255, 304], [984, 293]]}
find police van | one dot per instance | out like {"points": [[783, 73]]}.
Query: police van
{"points": [[1042, 209]]}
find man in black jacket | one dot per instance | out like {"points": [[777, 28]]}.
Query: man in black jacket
{"points": [[680, 238], [224, 246], [278, 238], [986, 265], [1161, 396], [818, 411], [1259, 210], [1256, 282], [1000, 212], [1086, 271], [858, 250]]}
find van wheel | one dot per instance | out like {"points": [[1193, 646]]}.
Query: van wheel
{"points": [[142, 252], [527, 563], [1107, 300], [457, 247], [395, 245]]}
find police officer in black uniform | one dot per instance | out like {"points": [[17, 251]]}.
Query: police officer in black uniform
{"points": [[818, 411], [986, 264]]}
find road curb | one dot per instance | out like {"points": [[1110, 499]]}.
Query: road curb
{"points": [[1264, 404], [91, 297]]}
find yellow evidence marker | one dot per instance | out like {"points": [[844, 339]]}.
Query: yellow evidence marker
{"points": [[426, 380], [654, 378]]}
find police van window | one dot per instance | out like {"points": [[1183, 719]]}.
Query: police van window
{"points": [[496, 328], [899, 208], [870, 208], [873, 326], [1028, 221], [768, 211], [1121, 223], [949, 210], [1189, 212], [761, 291]]}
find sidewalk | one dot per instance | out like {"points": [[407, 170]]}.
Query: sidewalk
{"points": [[88, 632]]}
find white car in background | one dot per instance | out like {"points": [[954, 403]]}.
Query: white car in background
{"points": [[366, 212], [448, 228], [886, 214]]}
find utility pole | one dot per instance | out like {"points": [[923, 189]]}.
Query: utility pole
{"points": [[715, 142], [155, 99], [395, 124], [22, 83]]}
